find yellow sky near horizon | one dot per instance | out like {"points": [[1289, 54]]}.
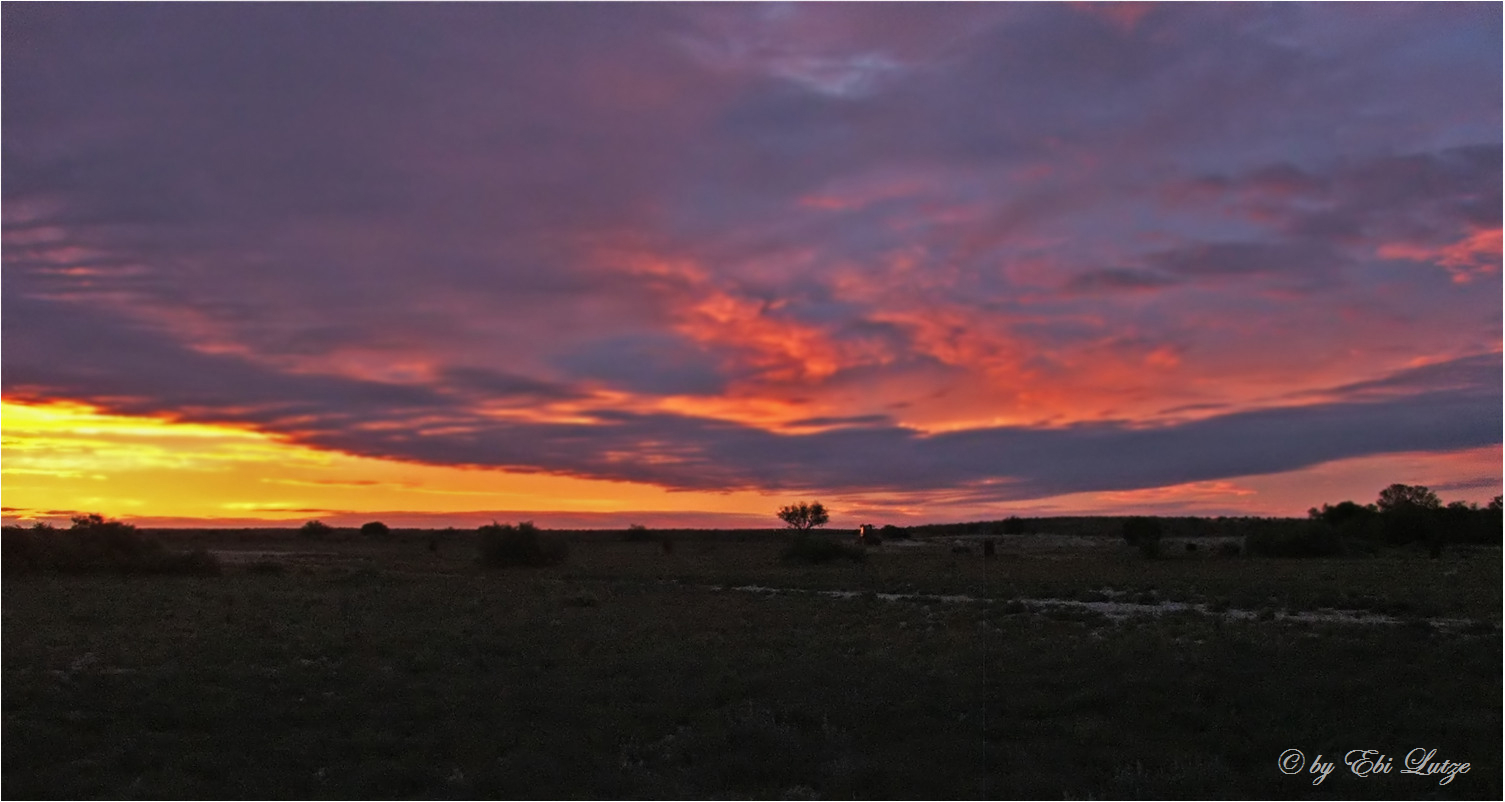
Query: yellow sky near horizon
{"points": [[72, 457], [61, 458]]}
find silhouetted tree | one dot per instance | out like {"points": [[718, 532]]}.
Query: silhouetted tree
{"points": [[1410, 513], [1491, 522], [1013, 525], [94, 520], [1398, 497], [804, 516]]}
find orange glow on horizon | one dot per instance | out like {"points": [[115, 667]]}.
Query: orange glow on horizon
{"points": [[63, 457]]}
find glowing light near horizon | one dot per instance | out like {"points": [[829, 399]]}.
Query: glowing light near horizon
{"points": [[63, 457]]}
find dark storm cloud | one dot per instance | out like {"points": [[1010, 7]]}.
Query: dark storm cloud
{"points": [[1476, 373], [493, 384], [1118, 280], [649, 363], [361, 225], [1423, 194]]}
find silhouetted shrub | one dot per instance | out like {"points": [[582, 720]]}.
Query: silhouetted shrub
{"points": [[94, 545], [637, 533], [24, 549], [315, 530], [1302, 539], [891, 532], [1143, 534], [814, 549], [375, 529], [508, 546]]}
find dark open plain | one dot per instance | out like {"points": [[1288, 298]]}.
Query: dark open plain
{"points": [[1064, 668]]}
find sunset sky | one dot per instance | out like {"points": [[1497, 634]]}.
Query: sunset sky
{"points": [[680, 264]]}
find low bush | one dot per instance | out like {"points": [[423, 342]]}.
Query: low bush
{"points": [[94, 545], [375, 529], [508, 546], [815, 549], [1304, 539], [1144, 534], [316, 530]]}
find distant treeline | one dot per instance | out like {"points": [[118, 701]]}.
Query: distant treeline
{"points": [[1406, 514], [1101, 526], [1401, 515]]}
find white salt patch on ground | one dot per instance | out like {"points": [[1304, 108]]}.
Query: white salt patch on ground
{"points": [[1115, 609]]}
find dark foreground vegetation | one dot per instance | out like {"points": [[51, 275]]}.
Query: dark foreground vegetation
{"points": [[94, 545], [524, 545], [406, 664]]}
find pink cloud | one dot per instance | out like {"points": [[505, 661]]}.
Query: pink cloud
{"points": [[1476, 254]]}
